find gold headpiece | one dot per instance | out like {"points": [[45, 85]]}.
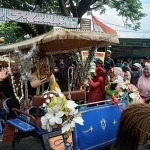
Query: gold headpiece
{"points": [[12, 59], [44, 61]]}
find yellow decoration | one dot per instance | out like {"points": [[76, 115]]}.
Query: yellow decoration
{"points": [[1, 40]]}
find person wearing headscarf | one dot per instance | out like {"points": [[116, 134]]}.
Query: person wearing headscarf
{"points": [[97, 86], [127, 76], [144, 83], [114, 78]]}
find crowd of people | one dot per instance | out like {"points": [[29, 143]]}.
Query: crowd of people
{"points": [[12, 88], [103, 84]]}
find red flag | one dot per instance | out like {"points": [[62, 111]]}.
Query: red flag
{"points": [[99, 26]]}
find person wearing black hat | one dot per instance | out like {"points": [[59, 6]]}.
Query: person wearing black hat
{"points": [[98, 63]]}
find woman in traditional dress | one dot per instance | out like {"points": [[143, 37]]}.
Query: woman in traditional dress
{"points": [[144, 83], [97, 86], [45, 80]]}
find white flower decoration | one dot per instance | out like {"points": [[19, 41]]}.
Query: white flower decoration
{"points": [[54, 115], [45, 96], [71, 104], [47, 100], [58, 91], [44, 104], [132, 95], [45, 124], [51, 95], [71, 124]]}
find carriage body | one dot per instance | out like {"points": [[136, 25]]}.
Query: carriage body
{"points": [[100, 122]]}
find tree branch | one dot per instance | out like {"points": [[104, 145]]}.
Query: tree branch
{"points": [[93, 1], [63, 7], [94, 7], [83, 7], [73, 8]]}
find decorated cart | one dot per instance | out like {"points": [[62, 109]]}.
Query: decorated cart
{"points": [[91, 127]]}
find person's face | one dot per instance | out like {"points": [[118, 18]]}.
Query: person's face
{"points": [[56, 69], [147, 71], [45, 69], [61, 60], [148, 60], [118, 60], [121, 60], [14, 68], [108, 54], [98, 65], [126, 76], [111, 73]]}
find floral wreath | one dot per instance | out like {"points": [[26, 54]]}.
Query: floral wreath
{"points": [[60, 113], [129, 92]]}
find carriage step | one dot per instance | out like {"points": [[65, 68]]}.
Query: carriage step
{"points": [[20, 125]]}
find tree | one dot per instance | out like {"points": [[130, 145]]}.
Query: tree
{"points": [[130, 10], [11, 32]]}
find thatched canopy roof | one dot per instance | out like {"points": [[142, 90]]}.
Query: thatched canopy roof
{"points": [[64, 40]]}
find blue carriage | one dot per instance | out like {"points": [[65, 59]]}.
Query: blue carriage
{"points": [[100, 122]]}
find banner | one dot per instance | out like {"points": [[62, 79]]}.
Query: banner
{"points": [[38, 18], [98, 55]]}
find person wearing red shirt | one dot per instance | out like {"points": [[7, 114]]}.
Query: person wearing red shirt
{"points": [[97, 86]]}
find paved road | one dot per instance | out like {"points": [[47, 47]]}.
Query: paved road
{"points": [[33, 144], [25, 144]]}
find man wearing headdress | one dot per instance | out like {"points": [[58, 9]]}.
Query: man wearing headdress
{"points": [[12, 88]]}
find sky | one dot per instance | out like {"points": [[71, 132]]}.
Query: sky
{"points": [[110, 17]]}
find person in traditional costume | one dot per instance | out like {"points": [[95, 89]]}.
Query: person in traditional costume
{"points": [[144, 83], [44, 79], [12, 88], [97, 86]]}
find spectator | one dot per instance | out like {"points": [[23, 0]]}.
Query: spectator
{"points": [[136, 72], [61, 65], [108, 61], [97, 86], [98, 63], [144, 83], [127, 76], [148, 59], [120, 63], [114, 78]]}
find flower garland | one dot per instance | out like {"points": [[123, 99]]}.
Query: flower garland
{"points": [[16, 88], [60, 113], [129, 92]]}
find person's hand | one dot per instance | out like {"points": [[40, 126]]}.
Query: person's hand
{"points": [[147, 99], [89, 77], [3, 74], [48, 75]]}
